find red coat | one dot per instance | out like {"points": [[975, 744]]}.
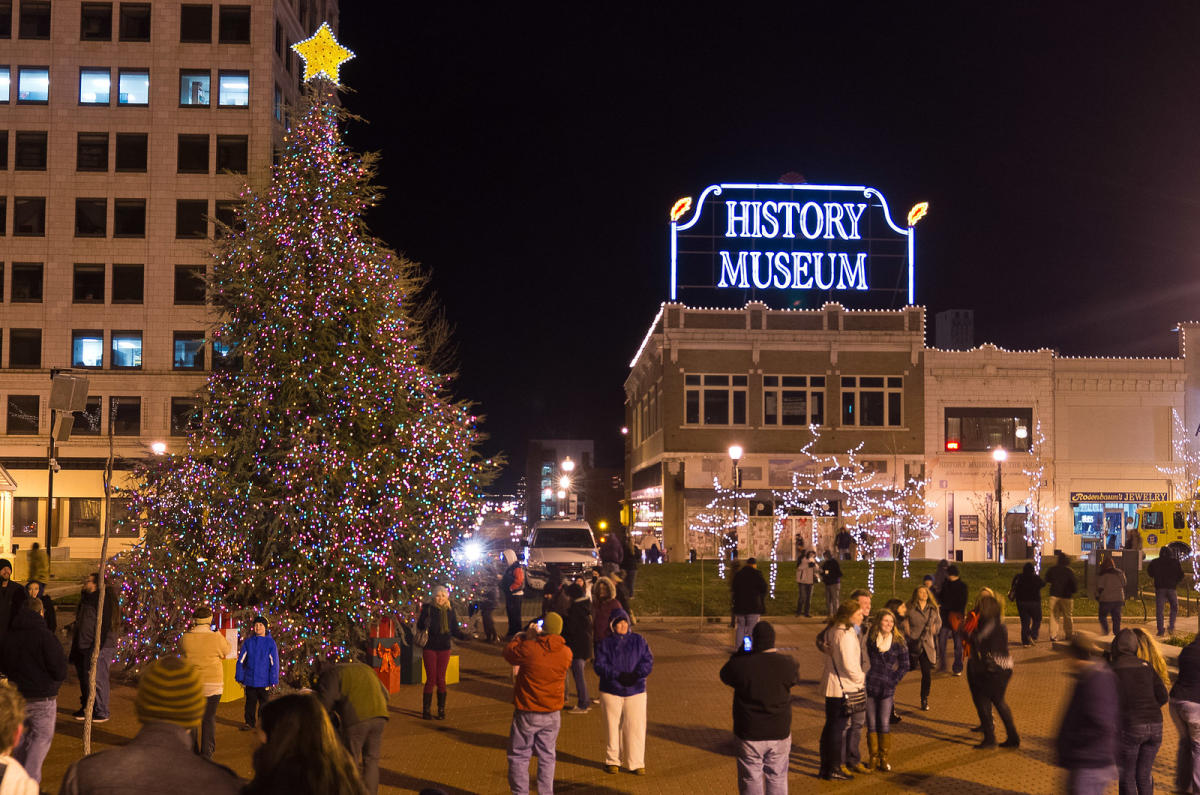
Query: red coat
{"points": [[544, 662]]}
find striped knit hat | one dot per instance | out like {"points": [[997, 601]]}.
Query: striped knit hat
{"points": [[170, 692]]}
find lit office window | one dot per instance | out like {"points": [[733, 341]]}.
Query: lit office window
{"points": [[33, 84], [4, 82], [233, 89], [87, 349], [127, 349], [189, 350], [194, 88], [133, 87], [94, 86]]}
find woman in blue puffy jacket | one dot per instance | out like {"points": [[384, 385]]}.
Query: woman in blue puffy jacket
{"points": [[257, 668], [623, 661]]}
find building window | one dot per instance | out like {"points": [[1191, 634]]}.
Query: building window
{"points": [[190, 220], [133, 87], [233, 89], [228, 217], [189, 350], [278, 104], [224, 357], [715, 399], [29, 216], [131, 151], [3, 155], [979, 429], [193, 154], [193, 89], [26, 283], [87, 349], [232, 153], [91, 152], [33, 85], [5, 19], [129, 218], [126, 415], [95, 86], [278, 38], [3, 222], [30, 151], [35, 19], [88, 284], [127, 284], [184, 415], [87, 422], [135, 22], [195, 24], [23, 414], [95, 22], [25, 348], [189, 284], [872, 401], [127, 349], [796, 400], [84, 518], [91, 218], [233, 26], [5, 82], [25, 517]]}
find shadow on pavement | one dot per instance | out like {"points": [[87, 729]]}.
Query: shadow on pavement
{"points": [[926, 782], [73, 728], [707, 738], [390, 778]]}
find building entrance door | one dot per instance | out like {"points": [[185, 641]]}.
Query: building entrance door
{"points": [[1114, 526], [1015, 547]]}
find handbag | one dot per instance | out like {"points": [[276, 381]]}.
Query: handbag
{"points": [[853, 701], [421, 636]]}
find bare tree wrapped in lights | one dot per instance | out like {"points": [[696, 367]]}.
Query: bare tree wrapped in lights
{"points": [[807, 496], [327, 471], [1039, 509], [912, 520], [863, 507], [724, 513], [1184, 475]]}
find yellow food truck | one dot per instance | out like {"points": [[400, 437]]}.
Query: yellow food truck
{"points": [[1169, 524]]}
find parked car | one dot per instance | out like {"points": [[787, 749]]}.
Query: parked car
{"points": [[567, 543]]}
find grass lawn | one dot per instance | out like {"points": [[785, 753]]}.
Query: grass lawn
{"points": [[673, 589]]}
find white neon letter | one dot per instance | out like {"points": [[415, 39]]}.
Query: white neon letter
{"points": [[854, 216], [736, 273], [804, 220], [769, 221], [833, 215], [818, 259], [799, 270], [783, 277], [787, 208], [734, 219], [847, 280], [755, 256]]}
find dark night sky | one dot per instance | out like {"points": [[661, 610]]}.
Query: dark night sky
{"points": [[531, 154]]}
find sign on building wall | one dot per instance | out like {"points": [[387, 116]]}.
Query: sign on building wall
{"points": [[791, 245], [968, 527], [1118, 496]]}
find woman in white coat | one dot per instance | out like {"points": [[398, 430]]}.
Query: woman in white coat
{"points": [[843, 674]]}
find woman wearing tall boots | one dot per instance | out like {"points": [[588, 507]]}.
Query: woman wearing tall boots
{"points": [[440, 619], [843, 674], [924, 621], [887, 650], [991, 666]]}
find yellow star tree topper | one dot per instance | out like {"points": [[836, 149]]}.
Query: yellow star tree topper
{"points": [[322, 54]]}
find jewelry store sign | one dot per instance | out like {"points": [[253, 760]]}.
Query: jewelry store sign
{"points": [[1118, 496], [791, 245]]}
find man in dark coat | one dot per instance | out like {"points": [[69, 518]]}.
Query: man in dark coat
{"points": [[83, 640], [1088, 739], [33, 660], [749, 591], [953, 608], [1167, 574], [577, 632], [1062, 598], [762, 680], [12, 596], [831, 578]]}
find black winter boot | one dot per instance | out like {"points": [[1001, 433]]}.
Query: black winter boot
{"points": [[441, 706], [426, 700]]}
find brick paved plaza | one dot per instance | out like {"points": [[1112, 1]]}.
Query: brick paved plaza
{"points": [[689, 745]]}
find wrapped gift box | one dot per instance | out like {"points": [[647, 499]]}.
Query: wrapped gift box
{"points": [[233, 691], [451, 671], [385, 628], [390, 679]]}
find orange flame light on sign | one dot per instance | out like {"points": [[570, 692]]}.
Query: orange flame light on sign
{"points": [[918, 211], [680, 207]]}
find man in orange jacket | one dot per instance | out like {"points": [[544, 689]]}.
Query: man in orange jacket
{"points": [[543, 659]]}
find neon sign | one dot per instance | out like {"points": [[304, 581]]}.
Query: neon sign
{"points": [[790, 243]]}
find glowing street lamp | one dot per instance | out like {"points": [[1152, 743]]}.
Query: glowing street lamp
{"points": [[1000, 455], [564, 482], [735, 454], [158, 448], [567, 465]]}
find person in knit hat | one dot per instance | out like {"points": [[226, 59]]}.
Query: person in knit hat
{"points": [[207, 651], [257, 669], [160, 759], [623, 661], [543, 659]]}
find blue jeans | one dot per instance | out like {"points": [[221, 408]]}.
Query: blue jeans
{"points": [[763, 766], [1187, 723], [1135, 757], [743, 626], [1110, 609], [1163, 597], [83, 667], [1090, 780], [40, 716], [578, 665], [879, 713], [945, 634], [532, 733]]}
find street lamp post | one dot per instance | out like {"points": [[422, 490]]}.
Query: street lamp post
{"points": [[1000, 455], [735, 454]]}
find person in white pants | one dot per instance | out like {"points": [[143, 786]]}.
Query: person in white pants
{"points": [[623, 661]]}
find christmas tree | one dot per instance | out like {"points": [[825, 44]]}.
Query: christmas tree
{"points": [[327, 472]]}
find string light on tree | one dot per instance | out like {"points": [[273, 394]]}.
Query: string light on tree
{"points": [[1184, 475], [1039, 510]]}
